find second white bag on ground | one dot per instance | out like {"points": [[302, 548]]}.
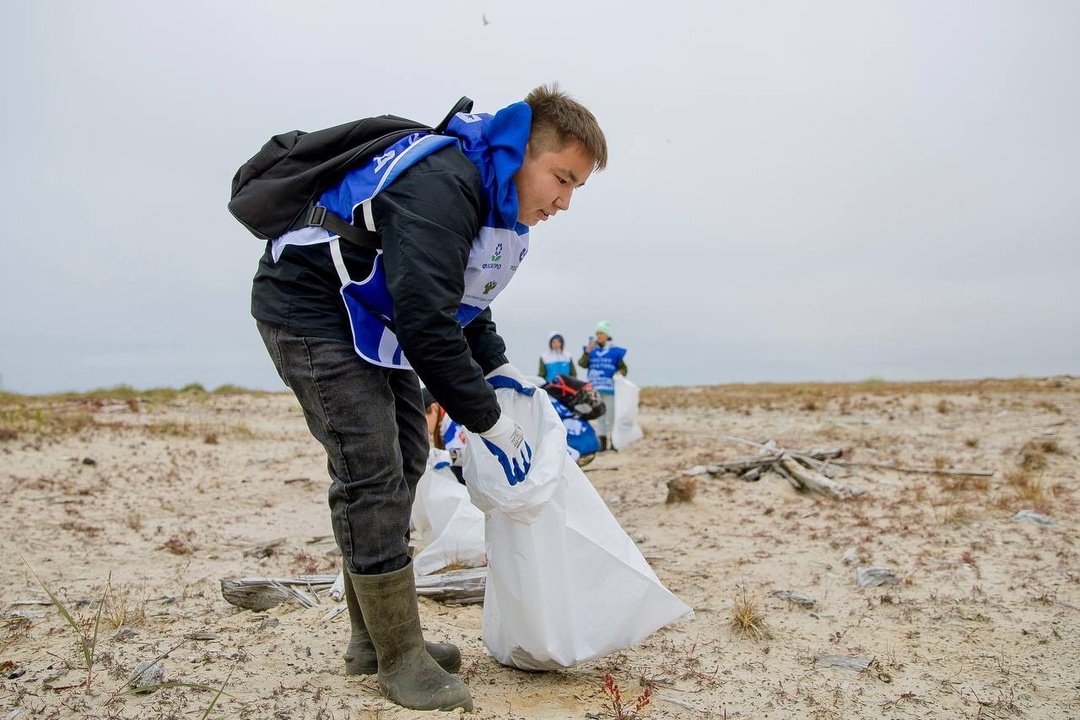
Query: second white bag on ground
{"points": [[565, 583], [625, 429], [448, 525]]}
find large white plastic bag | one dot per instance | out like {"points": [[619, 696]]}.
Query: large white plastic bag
{"points": [[625, 430], [565, 583], [449, 526]]}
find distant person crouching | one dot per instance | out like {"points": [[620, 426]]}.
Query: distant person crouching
{"points": [[444, 432]]}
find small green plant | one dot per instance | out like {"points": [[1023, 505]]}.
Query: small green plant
{"points": [[86, 632], [217, 697], [135, 684], [614, 695]]}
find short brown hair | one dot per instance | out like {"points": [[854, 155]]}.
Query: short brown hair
{"points": [[559, 120]]}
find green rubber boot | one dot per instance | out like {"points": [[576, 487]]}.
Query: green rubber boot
{"points": [[360, 657], [408, 675]]}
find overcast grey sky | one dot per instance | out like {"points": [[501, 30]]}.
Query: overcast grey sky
{"points": [[797, 191]]}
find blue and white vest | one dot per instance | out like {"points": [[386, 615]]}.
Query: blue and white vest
{"points": [[496, 146], [603, 364], [556, 363]]}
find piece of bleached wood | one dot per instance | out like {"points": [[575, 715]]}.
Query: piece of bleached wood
{"points": [[456, 587], [900, 468], [264, 550], [741, 464], [777, 468], [770, 446], [263, 593], [753, 474], [815, 482]]}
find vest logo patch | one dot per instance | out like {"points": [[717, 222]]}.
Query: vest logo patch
{"points": [[490, 285], [495, 258]]}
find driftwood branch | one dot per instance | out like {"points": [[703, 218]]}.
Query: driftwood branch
{"points": [[813, 458], [265, 550], [813, 482], [263, 593], [807, 471], [931, 471], [455, 587]]}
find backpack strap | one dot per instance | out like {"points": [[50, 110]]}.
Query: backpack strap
{"points": [[463, 105], [366, 237], [321, 217]]}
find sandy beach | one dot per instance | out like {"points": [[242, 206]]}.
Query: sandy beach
{"points": [[129, 508]]}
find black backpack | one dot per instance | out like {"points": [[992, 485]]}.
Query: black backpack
{"points": [[273, 192], [579, 396]]}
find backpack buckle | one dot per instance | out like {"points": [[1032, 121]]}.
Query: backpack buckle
{"points": [[316, 216]]}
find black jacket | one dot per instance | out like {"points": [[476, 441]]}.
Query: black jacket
{"points": [[426, 220]]}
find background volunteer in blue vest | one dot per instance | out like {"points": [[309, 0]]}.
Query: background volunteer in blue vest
{"points": [[555, 360], [603, 359], [453, 228]]}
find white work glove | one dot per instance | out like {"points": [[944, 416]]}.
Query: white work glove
{"points": [[508, 376], [506, 441]]}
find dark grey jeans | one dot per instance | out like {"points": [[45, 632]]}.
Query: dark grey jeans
{"points": [[371, 422]]}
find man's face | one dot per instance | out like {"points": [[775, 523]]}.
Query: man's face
{"points": [[546, 181], [601, 338]]}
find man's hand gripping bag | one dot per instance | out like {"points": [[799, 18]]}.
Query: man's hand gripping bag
{"points": [[565, 583]]}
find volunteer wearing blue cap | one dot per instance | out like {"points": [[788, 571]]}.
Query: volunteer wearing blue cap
{"points": [[603, 359]]}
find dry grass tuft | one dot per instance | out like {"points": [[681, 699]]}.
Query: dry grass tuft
{"points": [[1032, 460], [305, 563], [1050, 447], [124, 606], [958, 515], [747, 617], [681, 489], [1029, 488], [181, 544], [51, 417], [1048, 406]]}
